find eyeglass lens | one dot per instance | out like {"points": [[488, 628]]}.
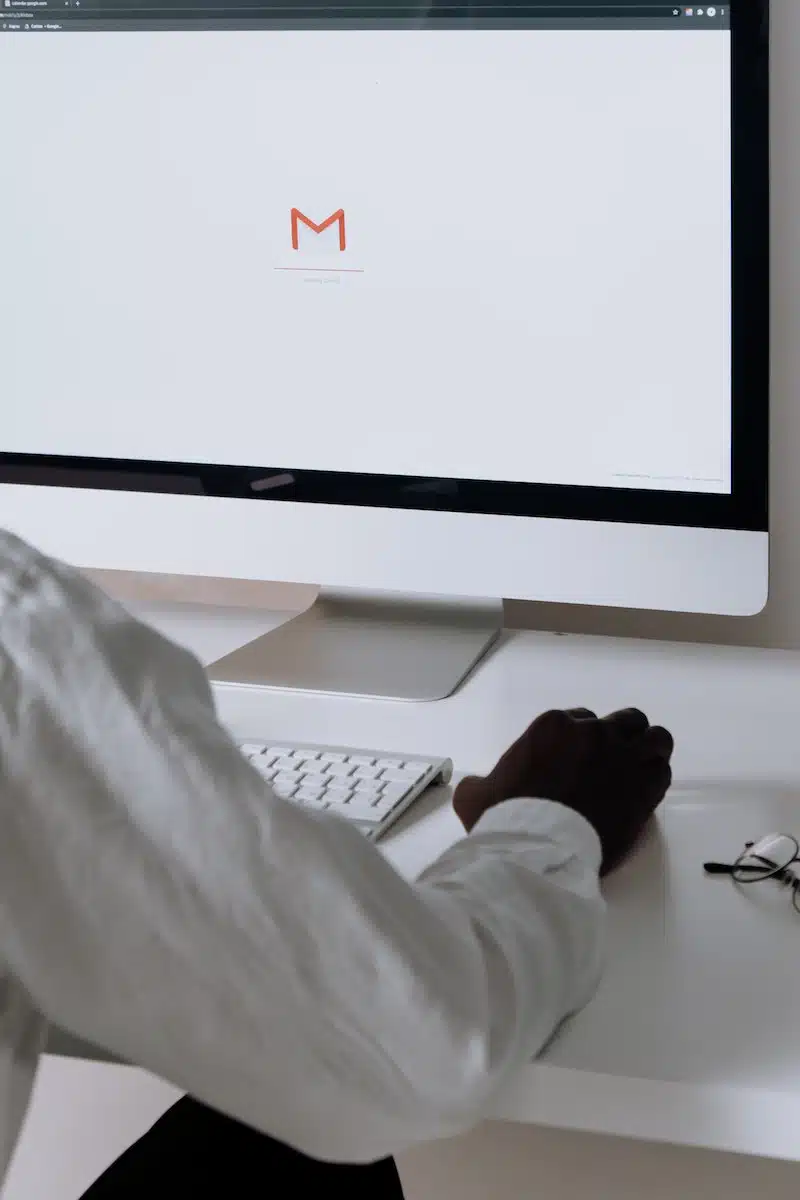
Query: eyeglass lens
{"points": [[769, 858]]}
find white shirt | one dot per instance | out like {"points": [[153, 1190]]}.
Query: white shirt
{"points": [[158, 900]]}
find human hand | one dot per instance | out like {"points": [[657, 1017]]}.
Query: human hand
{"points": [[614, 771]]}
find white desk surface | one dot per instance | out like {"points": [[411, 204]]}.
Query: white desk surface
{"points": [[694, 1037]]}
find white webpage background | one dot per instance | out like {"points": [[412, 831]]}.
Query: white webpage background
{"points": [[538, 230]]}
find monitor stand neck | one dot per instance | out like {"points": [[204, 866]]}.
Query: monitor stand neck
{"points": [[381, 645]]}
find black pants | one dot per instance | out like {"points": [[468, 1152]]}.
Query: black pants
{"points": [[194, 1152]]}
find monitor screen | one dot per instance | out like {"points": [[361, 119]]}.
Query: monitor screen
{"points": [[483, 243]]}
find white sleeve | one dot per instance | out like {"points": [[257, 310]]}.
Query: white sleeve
{"points": [[159, 901]]}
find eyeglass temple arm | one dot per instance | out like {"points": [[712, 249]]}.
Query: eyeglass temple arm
{"points": [[781, 873], [715, 868]]}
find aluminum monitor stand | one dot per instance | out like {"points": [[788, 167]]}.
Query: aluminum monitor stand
{"points": [[380, 645]]}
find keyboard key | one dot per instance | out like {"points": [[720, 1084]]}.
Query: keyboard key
{"points": [[308, 789], [288, 778], [361, 760], [285, 791], [389, 764], [406, 777], [314, 779], [366, 772], [418, 768], [263, 768], [251, 748], [360, 810], [310, 796], [384, 803], [338, 795], [281, 751], [395, 792], [340, 770], [330, 757], [367, 787], [285, 763], [305, 755]]}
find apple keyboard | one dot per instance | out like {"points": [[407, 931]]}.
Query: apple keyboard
{"points": [[368, 787]]}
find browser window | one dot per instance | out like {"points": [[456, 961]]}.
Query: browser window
{"points": [[473, 243]]}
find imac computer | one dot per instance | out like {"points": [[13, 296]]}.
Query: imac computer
{"points": [[426, 304]]}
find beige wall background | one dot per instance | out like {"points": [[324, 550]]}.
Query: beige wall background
{"points": [[511, 1162]]}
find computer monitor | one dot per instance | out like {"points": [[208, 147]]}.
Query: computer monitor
{"points": [[455, 300]]}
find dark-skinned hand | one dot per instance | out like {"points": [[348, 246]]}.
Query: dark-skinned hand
{"points": [[614, 771]]}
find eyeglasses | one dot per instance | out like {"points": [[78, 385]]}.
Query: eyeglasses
{"points": [[770, 858]]}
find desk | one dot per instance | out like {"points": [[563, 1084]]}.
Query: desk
{"points": [[694, 1038]]}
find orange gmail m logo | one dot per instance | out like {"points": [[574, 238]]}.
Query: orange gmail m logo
{"points": [[333, 219]]}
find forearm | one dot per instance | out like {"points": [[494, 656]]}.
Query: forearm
{"points": [[527, 877], [157, 900], [345, 1011]]}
